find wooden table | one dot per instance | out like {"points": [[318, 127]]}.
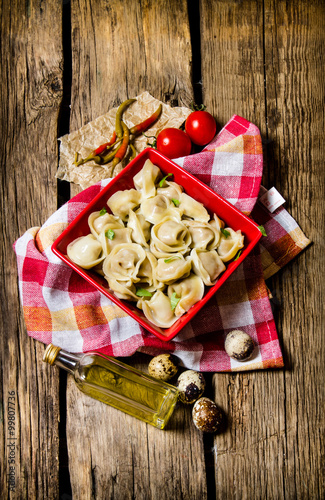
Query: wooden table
{"points": [[65, 63]]}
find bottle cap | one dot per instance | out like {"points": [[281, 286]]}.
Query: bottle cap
{"points": [[51, 353]]}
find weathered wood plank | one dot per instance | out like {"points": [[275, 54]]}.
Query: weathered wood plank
{"points": [[233, 83], [273, 444], [295, 92], [232, 59], [31, 91], [123, 48], [119, 50]]}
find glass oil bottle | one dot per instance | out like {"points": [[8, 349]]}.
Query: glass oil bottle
{"points": [[117, 384]]}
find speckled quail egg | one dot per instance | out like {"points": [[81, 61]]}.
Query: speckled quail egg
{"points": [[207, 417], [191, 385], [163, 367], [239, 345]]}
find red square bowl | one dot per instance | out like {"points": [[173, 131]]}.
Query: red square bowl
{"points": [[193, 187]]}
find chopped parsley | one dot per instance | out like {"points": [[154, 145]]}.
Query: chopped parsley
{"points": [[262, 229], [225, 232], [238, 255], [110, 234], [174, 300], [171, 258], [176, 202], [161, 183], [142, 292], [103, 211]]}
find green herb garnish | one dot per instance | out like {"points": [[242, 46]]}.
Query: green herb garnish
{"points": [[161, 183], [176, 202], [238, 255], [225, 232], [142, 292], [174, 300], [172, 258], [110, 234], [262, 229], [103, 211]]}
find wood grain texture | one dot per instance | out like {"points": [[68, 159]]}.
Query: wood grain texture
{"points": [[295, 91], [120, 49], [30, 100], [273, 444], [232, 59]]}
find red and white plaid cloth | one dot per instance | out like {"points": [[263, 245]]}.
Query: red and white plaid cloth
{"points": [[62, 308]]}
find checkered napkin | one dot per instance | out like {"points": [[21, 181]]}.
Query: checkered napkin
{"points": [[62, 308]]}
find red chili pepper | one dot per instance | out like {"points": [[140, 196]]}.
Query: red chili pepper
{"points": [[104, 153], [102, 148], [125, 142], [141, 127], [123, 148], [95, 154]]}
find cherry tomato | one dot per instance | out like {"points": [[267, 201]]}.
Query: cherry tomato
{"points": [[174, 143], [201, 127]]}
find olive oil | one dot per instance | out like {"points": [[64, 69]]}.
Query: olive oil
{"points": [[117, 384]]}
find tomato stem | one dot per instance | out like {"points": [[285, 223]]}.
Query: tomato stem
{"points": [[154, 143], [198, 107]]}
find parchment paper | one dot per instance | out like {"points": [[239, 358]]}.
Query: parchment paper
{"points": [[100, 130]]}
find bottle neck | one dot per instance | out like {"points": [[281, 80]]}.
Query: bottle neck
{"points": [[67, 360]]}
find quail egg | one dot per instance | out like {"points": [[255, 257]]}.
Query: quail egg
{"points": [[191, 385], [163, 367], [239, 345], [207, 417]]}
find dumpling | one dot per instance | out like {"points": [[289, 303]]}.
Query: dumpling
{"points": [[189, 291], [122, 201], [170, 189], [140, 228], [204, 235], [124, 261], [146, 273], [109, 238], [123, 290], [156, 208], [207, 264], [172, 268], [158, 310], [145, 179], [85, 251], [97, 222], [230, 244], [169, 236], [193, 209], [217, 223]]}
